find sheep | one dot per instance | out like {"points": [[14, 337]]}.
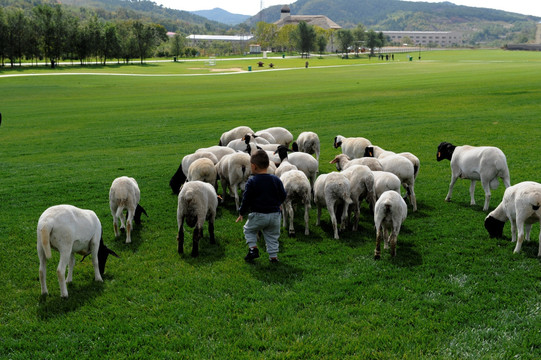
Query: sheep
{"points": [[181, 174], [384, 181], [389, 214], [197, 201], [307, 142], [379, 153], [267, 136], [298, 190], [70, 230], [235, 133], [343, 162], [125, 194], [245, 144], [218, 151], [330, 191], [204, 170], [361, 182], [304, 162], [485, 163], [281, 135], [234, 171], [403, 168], [353, 147], [521, 205]]}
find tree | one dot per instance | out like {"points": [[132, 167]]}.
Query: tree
{"points": [[50, 22], [345, 39], [372, 41], [147, 37], [321, 41], [285, 39], [265, 34], [177, 45], [111, 42], [16, 31], [306, 38], [359, 34]]}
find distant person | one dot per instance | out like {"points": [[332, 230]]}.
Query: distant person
{"points": [[262, 199]]}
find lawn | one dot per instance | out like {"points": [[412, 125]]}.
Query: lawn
{"points": [[450, 293]]}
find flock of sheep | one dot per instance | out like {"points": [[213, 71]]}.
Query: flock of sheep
{"points": [[364, 172]]}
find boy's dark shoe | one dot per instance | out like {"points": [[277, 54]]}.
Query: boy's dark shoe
{"points": [[274, 260], [253, 253]]}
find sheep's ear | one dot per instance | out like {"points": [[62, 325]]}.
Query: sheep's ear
{"points": [[295, 146], [111, 252], [333, 161]]}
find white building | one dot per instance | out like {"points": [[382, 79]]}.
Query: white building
{"points": [[441, 38]]}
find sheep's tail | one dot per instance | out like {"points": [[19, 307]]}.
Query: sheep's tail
{"points": [[537, 201], [243, 170], [45, 242]]}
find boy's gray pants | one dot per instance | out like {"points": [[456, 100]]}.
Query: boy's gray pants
{"points": [[269, 225]]}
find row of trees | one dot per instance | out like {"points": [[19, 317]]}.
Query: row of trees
{"points": [[307, 38], [51, 33]]}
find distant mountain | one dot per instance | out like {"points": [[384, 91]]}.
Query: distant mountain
{"points": [[222, 16]]}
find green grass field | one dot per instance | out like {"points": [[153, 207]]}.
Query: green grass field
{"points": [[450, 293]]}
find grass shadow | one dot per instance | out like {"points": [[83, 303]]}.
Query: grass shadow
{"points": [[279, 273], [52, 306]]}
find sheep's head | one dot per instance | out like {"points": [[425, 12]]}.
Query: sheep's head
{"points": [[369, 151], [337, 141], [176, 181], [103, 253], [295, 146], [137, 216], [494, 227], [445, 151], [282, 152]]}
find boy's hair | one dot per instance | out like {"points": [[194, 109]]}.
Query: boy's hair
{"points": [[260, 159]]}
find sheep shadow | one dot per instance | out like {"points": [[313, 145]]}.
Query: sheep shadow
{"points": [[136, 240], [208, 253], [79, 294]]}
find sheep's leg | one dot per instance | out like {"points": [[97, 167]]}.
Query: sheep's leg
{"points": [[513, 229], [129, 225], [451, 185], [180, 237], [307, 218], [539, 251], [520, 231], [212, 240], [356, 212], [284, 214], [195, 243], [472, 192], [115, 224], [318, 220], [289, 209], [61, 272], [386, 237], [345, 217], [236, 195], [412, 198], [392, 240], [70, 268], [332, 210], [97, 275], [43, 272], [379, 235], [486, 187]]}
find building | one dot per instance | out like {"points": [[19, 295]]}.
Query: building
{"points": [[231, 38], [425, 38], [315, 20]]}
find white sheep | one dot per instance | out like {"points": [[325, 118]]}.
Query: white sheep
{"points": [[235, 133], [246, 144], [303, 161], [385, 181], [330, 191], [379, 153], [361, 181], [403, 168], [218, 151], [197, 201], [234, 170], [267, 136], [353, 147], [181, 174], [521, 205], [342, 162], [389, 214], [485, 163], [124, 194], [204, 170], [70, 230], [307, 142], [298, 191], [281, 135]]}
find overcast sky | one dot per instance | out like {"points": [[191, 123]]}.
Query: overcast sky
{"points": [[252, 7]]}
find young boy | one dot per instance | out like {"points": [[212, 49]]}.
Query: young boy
{"points": [[263, 195]]}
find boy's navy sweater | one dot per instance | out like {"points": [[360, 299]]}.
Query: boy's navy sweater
{"points": [[264, 193]]}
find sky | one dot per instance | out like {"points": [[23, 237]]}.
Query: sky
{"points": [[252, 7]]}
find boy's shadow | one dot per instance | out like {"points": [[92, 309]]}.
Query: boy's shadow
{"points": [[275, 273]]}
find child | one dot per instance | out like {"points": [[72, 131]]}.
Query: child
{"points": [[263, 195]]}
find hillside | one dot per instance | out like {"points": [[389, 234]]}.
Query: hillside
{"points": [[222, 16]]}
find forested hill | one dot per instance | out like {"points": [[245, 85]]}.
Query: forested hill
{"points": [[148, 11]]}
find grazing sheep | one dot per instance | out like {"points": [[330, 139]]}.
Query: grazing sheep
{"points": [[485, 163], [385, 181], [330, 191], [235, 133], [343, 162], [521, 205], [204, 170], [389, 214], [403, 168], [307, 142], [234, 170], [218, 151], [304, 162], [361, 182], [353, 147], [197, 201], [298, 191], [70, 230], [281, 135], [124, 194], [379, 153], [267, 136], [181, 174], [246, 144]]}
